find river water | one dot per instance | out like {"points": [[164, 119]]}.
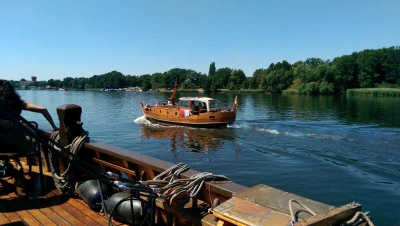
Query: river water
{"points": [[333, 149]]}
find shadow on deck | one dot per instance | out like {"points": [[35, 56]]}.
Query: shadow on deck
{"points": [[48, 208]]}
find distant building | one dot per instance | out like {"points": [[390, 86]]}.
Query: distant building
{"points": [[24, 84], [33, 78]]}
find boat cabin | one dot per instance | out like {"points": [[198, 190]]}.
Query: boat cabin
{"points": [[198, 104]]}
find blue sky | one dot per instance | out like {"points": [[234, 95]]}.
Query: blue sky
{"points": [[54, 39]]}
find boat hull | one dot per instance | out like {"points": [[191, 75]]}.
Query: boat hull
{"points": [[185, 117]]}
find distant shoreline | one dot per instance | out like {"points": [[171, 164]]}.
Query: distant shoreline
{"points": [[374, 92]]}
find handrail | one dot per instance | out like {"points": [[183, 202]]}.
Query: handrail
{"points": [[223, 190]]}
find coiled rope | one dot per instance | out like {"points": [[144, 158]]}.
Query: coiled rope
{"points": [[64, 181], [356, 216], [302, 205], [193, 184], [190, 187], [349, 222], [172, 173]]}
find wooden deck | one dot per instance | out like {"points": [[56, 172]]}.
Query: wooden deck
{"points": [[47, 209]]}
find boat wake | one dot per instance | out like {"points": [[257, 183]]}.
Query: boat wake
{"points": [[142, 120], [289, 130]]}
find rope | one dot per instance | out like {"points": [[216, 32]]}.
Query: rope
{"points": [[302, 205], [356, 216], [169, 180], [349, 222], [103, 203], [193, 184], [64, 181], [173, 172]]}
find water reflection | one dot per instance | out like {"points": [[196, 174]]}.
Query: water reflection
{"points": [[382, 111], [197, 140]]}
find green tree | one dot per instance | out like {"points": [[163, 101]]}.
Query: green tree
{"points": [[390, 58], [313, 62], [68, 82], [145, 82], [54, 83], [212, 69], [326, 88], [80, 83], [221, 78], [369, 73], [131, 80], [158, 80], [187, 84], [345, 71], [246, 83], [278, 77], [196, 78], [207, 86], [175, 74], [257, 78], [236, 80]]}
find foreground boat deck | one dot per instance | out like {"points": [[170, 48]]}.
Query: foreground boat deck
{"points": [[47, 209], [239, 205], [50, 208]]}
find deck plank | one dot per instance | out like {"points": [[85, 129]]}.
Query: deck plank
{"points": [[23, 207], [57, 219], [41, 217], [12, 216], [78, 214], [4, 219], [96, 216], [49, 209], [27, 218], [66, 215]]}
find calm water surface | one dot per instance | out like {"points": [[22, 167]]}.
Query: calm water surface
{"points": [[332, 149]]}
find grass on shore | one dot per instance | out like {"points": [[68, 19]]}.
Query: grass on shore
{"points": [[290, 91], [375, 92]]}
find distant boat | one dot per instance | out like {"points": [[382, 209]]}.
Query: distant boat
{"points": [[191, 111], [108, 90]]}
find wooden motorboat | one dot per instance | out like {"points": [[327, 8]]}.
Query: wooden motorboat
{"points": [[154, 192], [191, 111]]}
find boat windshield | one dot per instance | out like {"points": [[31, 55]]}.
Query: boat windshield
{"points": [[214, 105], [184, 104]]}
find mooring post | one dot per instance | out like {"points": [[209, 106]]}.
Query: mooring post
{"points": [[70, 127], [70, 123]]}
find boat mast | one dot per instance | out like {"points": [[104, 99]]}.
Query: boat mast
{"points": [[172, 98]]}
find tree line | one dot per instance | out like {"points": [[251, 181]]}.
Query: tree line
{"points": [[364, 69]]}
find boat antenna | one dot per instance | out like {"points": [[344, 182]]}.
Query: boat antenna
{"points": [[172, 98]]}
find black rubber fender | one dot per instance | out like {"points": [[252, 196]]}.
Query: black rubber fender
{"points": [[89, 191], [120, 206]]}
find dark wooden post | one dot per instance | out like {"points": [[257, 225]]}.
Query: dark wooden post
{"points": [[70, 123], [70, 127]]}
